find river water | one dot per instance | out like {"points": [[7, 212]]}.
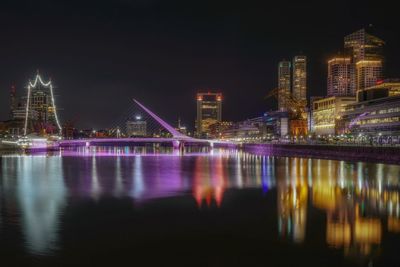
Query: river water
{"points": [[122, 206]]}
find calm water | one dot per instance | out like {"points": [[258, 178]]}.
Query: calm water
{"points": [[131, 207]]}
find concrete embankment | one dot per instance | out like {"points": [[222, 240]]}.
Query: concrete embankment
{"points": [[352, 153]]}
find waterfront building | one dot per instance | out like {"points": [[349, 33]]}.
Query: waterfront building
{"points": [[34, 112], [218, 128], [299, 90], [366, 52], [383, 88], [136, 128], [339, 77], [375, 117], [277, 123], [327, 113], [209, 112], [40, 109], [310, 115], [11, 127], [284, 84], [272, 125], [246, 131]]}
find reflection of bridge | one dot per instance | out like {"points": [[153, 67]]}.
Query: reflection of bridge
{"points": [[177, 140]]}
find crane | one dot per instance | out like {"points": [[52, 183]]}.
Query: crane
{"points": [[297, 110], [296, 107]]}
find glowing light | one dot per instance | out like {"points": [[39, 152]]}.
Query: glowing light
{"points": [[27, 108]]}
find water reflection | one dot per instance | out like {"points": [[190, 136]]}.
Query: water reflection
{"points": [[360, 201], [37, 183]]}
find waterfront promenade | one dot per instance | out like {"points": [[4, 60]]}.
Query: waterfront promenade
{"points": [[366, 153], [386, 154]]}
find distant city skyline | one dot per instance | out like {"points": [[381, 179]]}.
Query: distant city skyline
{"points": [[154, 51]]}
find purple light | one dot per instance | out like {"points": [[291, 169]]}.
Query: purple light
{"points": [[177, 137]]}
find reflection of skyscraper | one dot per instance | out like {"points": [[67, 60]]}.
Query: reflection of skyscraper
{"points": [[300, 78], [284, 83], [41, 197], [209, 109], [209, 181], [366, 52], [292, 197], [292, 211], [347, 226]]}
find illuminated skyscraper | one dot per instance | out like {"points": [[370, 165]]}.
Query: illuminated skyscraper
{"points": [[366, 53], [40, 109], [300, 78], [209, 109], [339, 77], [284, 83], [368, 73]]}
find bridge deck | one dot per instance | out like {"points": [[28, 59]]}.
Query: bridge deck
{"points": [[99, 141]]}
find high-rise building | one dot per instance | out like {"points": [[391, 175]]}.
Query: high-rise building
{"points": [[40, 109], [366, 53], [209, 110], [368, 73], [339, 77], [299, 90], [284, 84], [136, 128]]}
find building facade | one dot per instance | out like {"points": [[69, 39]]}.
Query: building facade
{"points": [[310, 115], [368, 73], [216, 129], [339, 77], [277, 123], [384, 88], [327, 113], [284, 83], [136, 128], [209, 112], [40, 109], [375, 117], [366, 52], [299, 90]]}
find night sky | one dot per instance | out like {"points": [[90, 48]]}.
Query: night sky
{"points": [[100, 54]]}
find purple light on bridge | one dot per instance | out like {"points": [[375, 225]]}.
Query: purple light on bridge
{"points": [[176, 139]]}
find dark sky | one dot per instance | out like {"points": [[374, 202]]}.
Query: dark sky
{"points": [[100, 54]]}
